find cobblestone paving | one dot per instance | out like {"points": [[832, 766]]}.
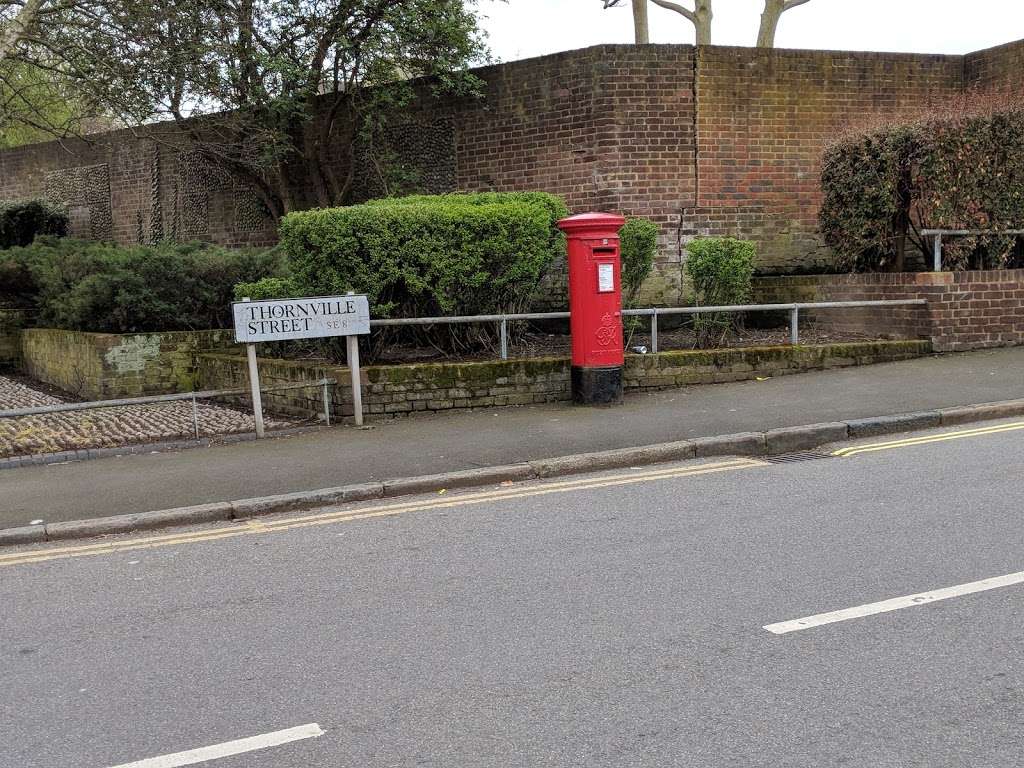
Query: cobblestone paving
{"points": [[108, 427], [17, 394]]}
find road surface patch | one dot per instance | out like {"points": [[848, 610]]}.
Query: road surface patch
{"points": [[266, 526], [229, 748], [895, 604]]}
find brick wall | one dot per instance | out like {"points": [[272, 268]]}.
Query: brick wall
{"points": [[966, 310], [607, 128], [714, 140], [996, 68], [128, 188], [763, 118], [403, 389]]}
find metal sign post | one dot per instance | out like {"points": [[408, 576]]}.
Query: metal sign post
{"points": [[254, 387], [352, 357], [352, 344], [305, 318]]}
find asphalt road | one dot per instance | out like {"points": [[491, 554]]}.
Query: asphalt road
{"points": [[456, 441], [616, 622]]}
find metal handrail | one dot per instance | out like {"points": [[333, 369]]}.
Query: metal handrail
{"points": [[938, 234], [652, 312], [42, 410]]}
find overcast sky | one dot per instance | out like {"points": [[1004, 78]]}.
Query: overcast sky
{"points": [[519, 29]]}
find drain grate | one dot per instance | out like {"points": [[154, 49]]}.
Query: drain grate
{"points": [[793, 458]]}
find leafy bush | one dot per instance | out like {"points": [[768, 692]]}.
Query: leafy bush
{"points": [[269, 288], [720, 270], [882, 188], [88, 286], [21, 221], [639, 243], [430, 255]]}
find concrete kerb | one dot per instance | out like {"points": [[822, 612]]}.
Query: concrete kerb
{"points": [[772, 442]]}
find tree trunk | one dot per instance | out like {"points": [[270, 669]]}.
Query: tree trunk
{"points": [[769, 23], [18, 27], [702, 22], [640, 24]]}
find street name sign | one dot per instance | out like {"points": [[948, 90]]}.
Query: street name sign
{"points": [[307, 318]]}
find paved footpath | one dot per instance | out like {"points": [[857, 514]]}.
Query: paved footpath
{"points": [[447, 442]]}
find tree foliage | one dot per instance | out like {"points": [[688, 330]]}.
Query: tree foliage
{"points": [[269, 90], [38, 98]]}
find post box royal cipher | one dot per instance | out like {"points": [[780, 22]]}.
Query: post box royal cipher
{"points": [[595, 304]]}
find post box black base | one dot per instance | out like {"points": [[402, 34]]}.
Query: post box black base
{"points": [[597, 386]]}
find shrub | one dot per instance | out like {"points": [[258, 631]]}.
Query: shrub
{"points": [[864, 213], [269, 288], [90, 286], [430, 255], [552, 204], [720, 270], [639, 243], [967, 172], [17, 282], [22, 221]]}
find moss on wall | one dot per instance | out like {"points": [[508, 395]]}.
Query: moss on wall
{"points": [[400, 389], [102, 366]]}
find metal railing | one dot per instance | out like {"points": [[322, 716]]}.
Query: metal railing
{"points": [[41, 410], [501, 320], [938, 234], [653, 312]]}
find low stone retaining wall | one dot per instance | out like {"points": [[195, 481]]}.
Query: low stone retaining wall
{"points": [[102, 366], [12, 321], [966, 310], [400, 389]]}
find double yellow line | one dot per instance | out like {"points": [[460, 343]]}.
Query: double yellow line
{"points": [[853, 450], [273, 525]]}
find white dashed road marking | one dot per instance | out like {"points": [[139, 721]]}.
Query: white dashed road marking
{"points": [[228, 748], [895, 604]]}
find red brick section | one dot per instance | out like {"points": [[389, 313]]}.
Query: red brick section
{"points": [[131, 161], [763, 120], [607, 128], [966, 310]]}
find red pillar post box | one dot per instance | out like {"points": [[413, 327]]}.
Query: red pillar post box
{"points": [[595, 303]]}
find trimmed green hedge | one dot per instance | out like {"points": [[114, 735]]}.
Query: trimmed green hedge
{"points": [[419, 256], [882, 188], [88, 286], [21, 221]]}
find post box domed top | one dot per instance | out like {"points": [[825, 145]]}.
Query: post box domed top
{"points": [[602, 224]]}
